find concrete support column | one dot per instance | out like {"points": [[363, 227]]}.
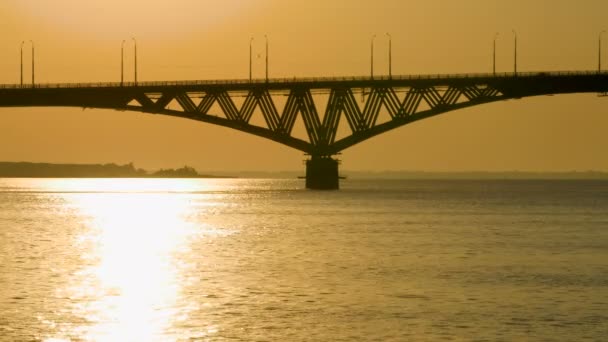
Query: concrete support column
{"points": [[322, 173]]}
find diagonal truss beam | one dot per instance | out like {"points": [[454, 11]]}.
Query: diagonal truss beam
{"points": [[414, 103], [385, 103]]}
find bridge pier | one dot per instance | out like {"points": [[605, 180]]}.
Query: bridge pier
{"points": [[322, 173]]}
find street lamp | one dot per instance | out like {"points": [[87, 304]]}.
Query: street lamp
{"points": [[494, 55], [372, 59], [266, 38], [135, 47], [122, 63], [390, 57], [21, 50], [250, 60], [31, 41], [599, 52], [515, 59]]}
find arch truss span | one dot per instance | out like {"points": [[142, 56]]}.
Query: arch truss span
{"points": [[320, 117], [332, 119]]}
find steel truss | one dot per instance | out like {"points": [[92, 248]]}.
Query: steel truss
{"points": [[336, 113], [403, 104]]}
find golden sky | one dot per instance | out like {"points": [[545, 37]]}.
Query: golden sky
{"points": [[79, 41]]}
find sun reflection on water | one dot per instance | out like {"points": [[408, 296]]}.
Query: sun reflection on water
{"points": [[134, 247]]}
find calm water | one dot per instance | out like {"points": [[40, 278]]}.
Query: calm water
{"points": [[265, 260]]}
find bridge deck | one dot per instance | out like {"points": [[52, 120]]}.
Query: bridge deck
{"points": [[319, 82], [279, 102]]}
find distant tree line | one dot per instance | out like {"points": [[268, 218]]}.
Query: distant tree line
{"points": [[47, 170], [184, 172]]}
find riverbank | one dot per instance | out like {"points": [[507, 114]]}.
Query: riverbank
{"points": [[48, 170]]}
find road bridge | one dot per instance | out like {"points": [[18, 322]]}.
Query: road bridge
{"points": [[356, 100]]}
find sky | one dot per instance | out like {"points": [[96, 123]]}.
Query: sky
{"points": [[80, 40]]}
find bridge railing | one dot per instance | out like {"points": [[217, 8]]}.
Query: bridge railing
{"points": [[291, 80]]}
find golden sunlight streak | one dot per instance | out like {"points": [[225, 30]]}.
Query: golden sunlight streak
{"points": [[131, 289]]}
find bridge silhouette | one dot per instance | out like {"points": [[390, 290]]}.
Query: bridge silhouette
{"points": [[406, 99]]}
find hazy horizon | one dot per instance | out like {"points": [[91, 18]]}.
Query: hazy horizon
{"points": [[27, 171]]}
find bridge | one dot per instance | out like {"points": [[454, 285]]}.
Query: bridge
{"points": [[358, 100]]}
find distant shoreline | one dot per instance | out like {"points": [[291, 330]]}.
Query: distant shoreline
{"points": [[49, 170], [480, 175], [439, 175]]}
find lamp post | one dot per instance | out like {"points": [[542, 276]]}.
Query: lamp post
{"points": [[122, 63], [250, 58], [31, 41], [515, 57], [266, 38], [390, 55], [372, 57], [21, 70], [494, 55], [135, 48], [599, 52]]}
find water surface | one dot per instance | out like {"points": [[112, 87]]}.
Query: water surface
{"points": [[265, 260]]}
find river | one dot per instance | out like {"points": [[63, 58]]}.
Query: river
{"points": [[266, 260]]}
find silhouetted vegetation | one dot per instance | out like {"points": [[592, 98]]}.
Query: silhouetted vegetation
{"points": [[46, 170], [184, 172]]}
